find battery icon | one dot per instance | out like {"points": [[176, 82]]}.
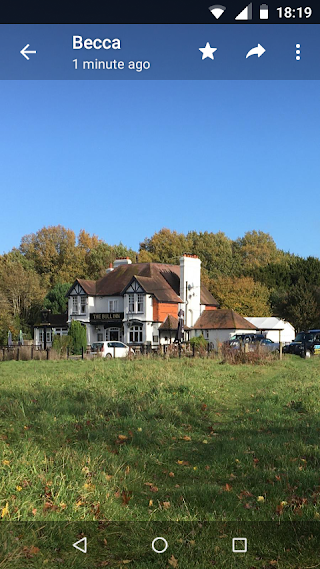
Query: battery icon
{"points": [[264, 12]]}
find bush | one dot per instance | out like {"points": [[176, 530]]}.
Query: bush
{"points": [[60, 344], [199, 342], [78, 337]]}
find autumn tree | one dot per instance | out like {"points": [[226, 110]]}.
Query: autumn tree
{"points": [[257, 249], [21, 292], [216, 252], [242, 294], [53, 253], [166, 246]]}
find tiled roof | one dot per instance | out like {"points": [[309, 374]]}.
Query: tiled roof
{"points": [[160, 279], [171, 323], [222, 320]]}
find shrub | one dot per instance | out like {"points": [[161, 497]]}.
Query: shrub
{"points": [[78, 337], [60, 344], [199, 342]]}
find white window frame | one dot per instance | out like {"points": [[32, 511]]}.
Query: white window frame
{"points": [[100, 337], [140, 302], [113, 305], [83, 304], [136, 334], [131, 302], [75, 305], [41, 336]]}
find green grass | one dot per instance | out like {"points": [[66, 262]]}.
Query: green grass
{"points": [[198, 441]]}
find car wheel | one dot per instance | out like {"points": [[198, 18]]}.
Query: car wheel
{"points": [[307, 354], [109, 356]]}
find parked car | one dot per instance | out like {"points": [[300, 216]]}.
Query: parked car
{"points": [[305, 344], [253, 340], [111, 349]]}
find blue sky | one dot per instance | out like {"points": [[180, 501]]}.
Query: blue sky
{"points": [[124, 159]]}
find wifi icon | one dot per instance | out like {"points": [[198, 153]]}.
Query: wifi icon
{"points": [[217, 10]]}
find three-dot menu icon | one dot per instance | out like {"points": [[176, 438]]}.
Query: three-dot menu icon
{"points": [[298, 52]]}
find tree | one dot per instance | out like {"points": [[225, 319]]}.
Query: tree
{"points": [[56, 300], [242, 294], [300, 305], [215, 251], [166, 246], [257, 249], [21, 293], [53, 253], [78, 336]]}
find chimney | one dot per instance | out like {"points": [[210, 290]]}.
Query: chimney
{"points": [[122, 261], [109, 269], [190, 272]]}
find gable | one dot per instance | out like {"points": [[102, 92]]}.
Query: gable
{"points": [[134, 286], [77, 290]]}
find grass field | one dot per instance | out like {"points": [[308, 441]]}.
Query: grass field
{"points": [[159, 441]]}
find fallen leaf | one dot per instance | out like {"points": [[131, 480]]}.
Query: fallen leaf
{"points": [[183, 462], [126, 497], [171, 474], [150, 503], [34, 511], [18, 488], [122, 438], [228, 488], [166, 505], [186, 438], [173, 562], [5, 511], [154, 488], [260, 499]]}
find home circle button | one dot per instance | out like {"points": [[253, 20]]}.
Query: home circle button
{"points": [[159, 545]]}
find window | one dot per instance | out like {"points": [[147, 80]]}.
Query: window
{"points": [[113, 306], [206, 334], [131, 302], [41, 336], [100, 337], [75, 305], [49, 335], [136, 334], [155, 339], [83, 301], [140, 302]]}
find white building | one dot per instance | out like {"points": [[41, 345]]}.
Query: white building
{"points": [[274, 328], [220, 325], [132, 302]]}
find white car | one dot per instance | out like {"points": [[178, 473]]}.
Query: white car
{"points": [[111, 349]]}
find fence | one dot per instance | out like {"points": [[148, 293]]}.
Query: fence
{"points": [[35, 352]]}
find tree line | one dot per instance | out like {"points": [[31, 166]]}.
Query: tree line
{"points": [[249, 274]]}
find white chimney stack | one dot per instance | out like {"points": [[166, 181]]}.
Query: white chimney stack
{"points": [[122, 261], [190, 273]]}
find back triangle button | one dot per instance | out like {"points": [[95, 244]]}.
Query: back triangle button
{"points": [[82, 542]]}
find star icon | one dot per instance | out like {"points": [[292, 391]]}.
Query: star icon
{"points": [[208, 51]]}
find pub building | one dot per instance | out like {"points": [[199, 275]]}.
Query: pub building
{"points": [[138, 303]]}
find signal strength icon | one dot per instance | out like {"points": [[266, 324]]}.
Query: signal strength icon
{"points": [[217, 10], [246, 13]]}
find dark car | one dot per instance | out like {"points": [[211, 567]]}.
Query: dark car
{"points": [[305, 344], [253, 340]]}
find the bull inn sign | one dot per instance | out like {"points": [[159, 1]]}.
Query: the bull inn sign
{"points": [[98, 317]]}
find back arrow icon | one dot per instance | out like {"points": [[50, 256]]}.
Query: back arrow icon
{"points": [[24, 51], [259, 50], [83, 542]]}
